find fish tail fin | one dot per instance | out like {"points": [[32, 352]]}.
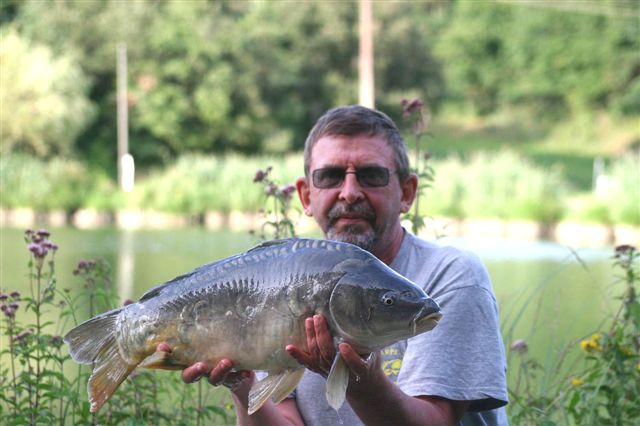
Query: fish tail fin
{"points": [[94, 342]]}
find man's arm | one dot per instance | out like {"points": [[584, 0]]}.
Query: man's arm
{"points": [[372, 395], [377, 400]]}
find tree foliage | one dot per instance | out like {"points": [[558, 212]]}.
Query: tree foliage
{"points": [[252, 77], [556, 62], [44, 106]]}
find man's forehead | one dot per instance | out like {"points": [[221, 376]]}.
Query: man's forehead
{"points": [[360, 150]]}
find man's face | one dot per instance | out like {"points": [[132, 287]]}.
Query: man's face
{"points": [[353, 213]]}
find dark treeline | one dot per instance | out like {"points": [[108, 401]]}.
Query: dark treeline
{"points": [[252, 77]]}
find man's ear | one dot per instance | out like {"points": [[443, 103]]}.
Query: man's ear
{"points": [[409, 190], [302, 185]]}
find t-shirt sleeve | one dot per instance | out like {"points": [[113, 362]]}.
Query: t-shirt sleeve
{"points": [[462, 358]]}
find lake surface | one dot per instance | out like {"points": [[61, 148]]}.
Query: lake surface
{"points": [[550, 295]]}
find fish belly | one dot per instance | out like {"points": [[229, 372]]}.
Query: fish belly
{"points": [[251, 328]]}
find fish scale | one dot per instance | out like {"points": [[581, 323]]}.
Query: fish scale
{"points": [[247, 308]]}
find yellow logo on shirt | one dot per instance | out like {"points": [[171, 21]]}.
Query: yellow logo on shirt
{"points": [[391, 362]]}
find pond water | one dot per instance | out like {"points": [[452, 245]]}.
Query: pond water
{"points": [[550, 295]]}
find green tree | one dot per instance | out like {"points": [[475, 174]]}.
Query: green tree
{"points": [[44, 106]]}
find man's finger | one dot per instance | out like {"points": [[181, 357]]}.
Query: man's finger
{"points": [[163, 347], [323, 338], [299, 355], [311, 336], [194, 373], [220, 371], [354, 361]]}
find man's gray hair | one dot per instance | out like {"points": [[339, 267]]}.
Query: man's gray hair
{"points": [[356, 120]]}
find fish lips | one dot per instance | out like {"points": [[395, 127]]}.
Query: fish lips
{"points": [[427, 318]]}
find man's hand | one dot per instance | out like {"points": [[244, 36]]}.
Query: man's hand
{"points": [[239, 382], [321, 353]]}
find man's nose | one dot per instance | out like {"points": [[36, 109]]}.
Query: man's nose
{"points": [[351, 190]]}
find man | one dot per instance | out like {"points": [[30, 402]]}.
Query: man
{"points": [[357, 183]]}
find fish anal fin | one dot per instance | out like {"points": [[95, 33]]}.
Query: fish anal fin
{"points": [[276, 386], [163, 361], [337, 383]]}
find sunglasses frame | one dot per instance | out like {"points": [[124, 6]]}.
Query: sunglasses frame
{"points": [[315, 178]]}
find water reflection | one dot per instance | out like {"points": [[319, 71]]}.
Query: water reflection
{"points": [[126, 265]]}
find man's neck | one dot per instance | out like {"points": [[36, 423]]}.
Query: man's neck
{"points": [[389, 247]]}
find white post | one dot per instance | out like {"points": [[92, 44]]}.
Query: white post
{"points": [[365, 59], [125, 178]]}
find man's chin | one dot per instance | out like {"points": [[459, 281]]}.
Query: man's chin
{"points": [[363, 238]]}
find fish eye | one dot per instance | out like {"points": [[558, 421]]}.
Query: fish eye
{"points": [[387, 299]]}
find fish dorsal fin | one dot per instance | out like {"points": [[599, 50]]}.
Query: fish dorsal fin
{"points": [[270, 243], [275, 386], [155, 291], [337, 383]]}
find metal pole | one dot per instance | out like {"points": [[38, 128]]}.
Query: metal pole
{"points": [[123, 117], [365, 59]]}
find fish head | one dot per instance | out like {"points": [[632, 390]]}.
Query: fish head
{"points": [[373, 308]]}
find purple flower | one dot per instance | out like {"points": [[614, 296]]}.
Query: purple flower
{"points": [[8, 311], [3, 296], [409, 107], [271, 189], [37, 250], [624, 249], [56, 341], [519, 346], [287, 190], [261, 175], [39, 245], [20, 337], [15, 295], [43, 233]]}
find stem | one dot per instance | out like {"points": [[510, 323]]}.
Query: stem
{"points": [[13, 368], [154, 384], [60, 361], [199, 403], [38, 336], [277, 221], [416, 206]]}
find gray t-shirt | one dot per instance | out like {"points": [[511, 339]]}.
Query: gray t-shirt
{"points": [[461, 359]]}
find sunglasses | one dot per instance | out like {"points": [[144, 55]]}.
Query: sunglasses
{"points": [[333, 177]]}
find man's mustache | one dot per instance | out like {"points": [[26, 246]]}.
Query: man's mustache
{"points": [[361, 209]]}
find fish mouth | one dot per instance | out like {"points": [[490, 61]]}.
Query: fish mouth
{"points": [[422, 323]]}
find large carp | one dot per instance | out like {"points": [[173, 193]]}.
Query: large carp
{"points": [[247, 308]]}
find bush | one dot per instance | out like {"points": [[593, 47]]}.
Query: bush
{"points": [[502, 185], [624, 198], [55, 184], [197, 184]]}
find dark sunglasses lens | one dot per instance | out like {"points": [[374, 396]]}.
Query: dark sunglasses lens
{"points": [[329, 177], [373, 176]]}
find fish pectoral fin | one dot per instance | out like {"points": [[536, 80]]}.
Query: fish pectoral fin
{"points": [[163, 360], [337, 383], [276, 386]]}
